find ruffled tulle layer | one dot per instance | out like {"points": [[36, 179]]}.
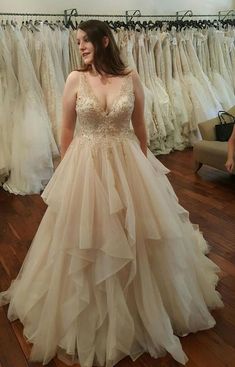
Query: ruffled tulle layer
{"points": [[115, 268]]}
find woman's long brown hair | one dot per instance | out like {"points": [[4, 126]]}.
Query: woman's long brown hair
{"points": [[106, 59]]}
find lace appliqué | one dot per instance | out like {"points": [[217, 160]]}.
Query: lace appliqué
{"points": [[97, 126]]}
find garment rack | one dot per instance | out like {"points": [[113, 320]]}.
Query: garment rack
{"points": [[69, 13], [33, 14], [113, 15]]}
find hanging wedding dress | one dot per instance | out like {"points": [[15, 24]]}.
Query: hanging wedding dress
{"points": [[181, 101], [74, 56], [159, 89], [116, 268], [203, 103], [159, 60], [222, 69], [53, 80], [230, 39], [32, 144], [34, 43], [206, 51], [148, 96], [46, 71], [65, 51], [226, 48], [146, 79], [190, 128], [161, 102], [223, 89], [212, 103], [199, 41], [9, 90], [176, 139]]}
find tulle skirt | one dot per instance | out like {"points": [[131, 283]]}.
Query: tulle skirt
{"points": [[116, 268]]}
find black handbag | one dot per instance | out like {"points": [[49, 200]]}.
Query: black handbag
{"points": [[224, 129]]}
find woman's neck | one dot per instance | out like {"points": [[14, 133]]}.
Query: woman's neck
{"points": [[101, 74]]}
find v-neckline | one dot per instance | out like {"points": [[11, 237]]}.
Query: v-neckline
{"points": [[101, 108]]}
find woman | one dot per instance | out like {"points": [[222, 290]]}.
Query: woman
{"points": [[231, 149], [116, 268]]}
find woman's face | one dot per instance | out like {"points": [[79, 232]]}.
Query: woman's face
{"points": [[86, 48]]}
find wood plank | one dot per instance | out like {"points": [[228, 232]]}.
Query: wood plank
{"points": [[11, 354], [224, 352], [226, 265], [199, 353]]}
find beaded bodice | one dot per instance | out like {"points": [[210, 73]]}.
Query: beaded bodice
{"points": [[94, 121]]}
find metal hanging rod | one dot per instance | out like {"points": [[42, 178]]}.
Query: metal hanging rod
{"points": [[139, 15], [135, 15], [34, 14]]}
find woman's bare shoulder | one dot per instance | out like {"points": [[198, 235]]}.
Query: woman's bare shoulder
{"points": [[134, 74], [73, 82], [135, 78], [74, 77]]}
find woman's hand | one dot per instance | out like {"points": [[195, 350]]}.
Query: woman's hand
{"points": [[230, 165], [231, 150]]}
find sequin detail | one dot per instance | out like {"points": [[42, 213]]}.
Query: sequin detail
{"points": [[97, 126]]}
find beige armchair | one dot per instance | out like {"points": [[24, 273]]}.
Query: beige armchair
{"points": [[209, 151]]}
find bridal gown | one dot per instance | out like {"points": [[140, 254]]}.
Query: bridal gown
{"points": [[116, 267], [32, 144], [8, 93]]}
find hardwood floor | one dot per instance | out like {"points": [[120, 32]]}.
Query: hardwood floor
{"points": [[209, 196]]}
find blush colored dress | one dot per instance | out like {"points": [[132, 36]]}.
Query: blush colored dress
{"points": [[116, 268]]}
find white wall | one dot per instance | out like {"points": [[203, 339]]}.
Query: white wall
{"points": [[117, 6]]}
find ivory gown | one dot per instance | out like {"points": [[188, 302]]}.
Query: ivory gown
{"points": [[116, 268]]}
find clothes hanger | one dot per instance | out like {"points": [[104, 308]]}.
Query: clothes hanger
{"points": [[14, 23], [32, 26], [51, 25]]}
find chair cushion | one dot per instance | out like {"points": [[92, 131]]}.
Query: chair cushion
{"points": [[212, 153]]}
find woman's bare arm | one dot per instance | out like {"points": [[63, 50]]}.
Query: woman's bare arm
{"points": [[69, 111], [138, 113], [231, 150]]}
